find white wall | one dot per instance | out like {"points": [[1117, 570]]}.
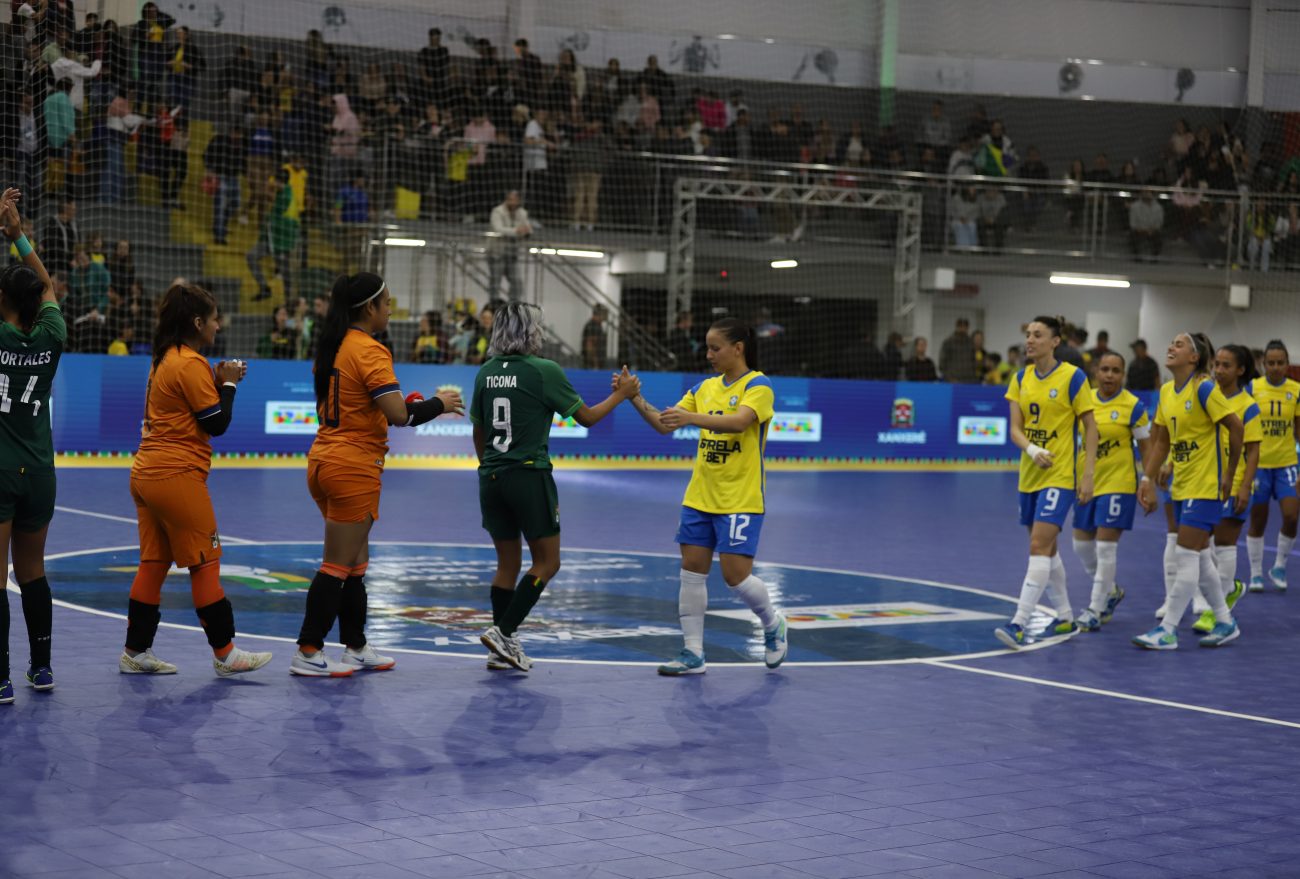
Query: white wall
{"points": [[1178, 33], [847, 23], [1155, 313]]}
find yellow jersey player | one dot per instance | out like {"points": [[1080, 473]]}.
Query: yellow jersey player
{"points": [[1234, 371], [1278, 398], [1191, 410], [1121, 420], [724, 503], [1049, 400]]}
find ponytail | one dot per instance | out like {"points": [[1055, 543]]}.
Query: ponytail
{"points": [[348, 296], [181, 305], [737, 331], [1246, 360], [1204, 352]]}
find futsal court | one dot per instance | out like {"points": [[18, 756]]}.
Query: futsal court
{"points": [[899, 740]]}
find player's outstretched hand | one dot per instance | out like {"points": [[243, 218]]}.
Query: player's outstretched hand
{"points": [[13, 225], [231, 371], [451, 402], [673, 418]]}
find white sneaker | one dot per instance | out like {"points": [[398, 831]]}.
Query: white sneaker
{"points": [[318, 665], [238, 661], [776, 645], [144, 663], [366, 659], [506, 648]]}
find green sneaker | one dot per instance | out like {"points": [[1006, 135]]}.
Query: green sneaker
{"points": [[1238, 587], [1205, 623]]}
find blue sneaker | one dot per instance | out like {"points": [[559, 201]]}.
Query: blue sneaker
{"points": [[686, 663], [1157, 639], [1278, 576], [1112, 602], [40, 678], [775, 644], [1011, 634], [1087, 621], [1256, 584], [1221, 634], [6, 692]]}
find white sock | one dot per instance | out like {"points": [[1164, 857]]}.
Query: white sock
{"points": [[1225, 558], [1171, 564], [1103, 584], [753, 592], [1284, 545], [1086, 550], [1188, 575], [1036, 577], [1211, 587], [692, 601], [1255, 552], [1056, 589]]}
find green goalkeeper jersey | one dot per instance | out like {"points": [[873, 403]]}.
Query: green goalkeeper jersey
{"points": [[28, 362]]}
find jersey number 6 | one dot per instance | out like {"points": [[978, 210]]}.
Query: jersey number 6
{"points": [[501, 422]]}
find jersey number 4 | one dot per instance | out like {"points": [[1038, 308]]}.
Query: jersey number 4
{"points": [[501, 422], [7, 404]]}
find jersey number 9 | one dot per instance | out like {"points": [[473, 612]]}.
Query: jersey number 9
{"points": [[1034, 412], [501, 422]]}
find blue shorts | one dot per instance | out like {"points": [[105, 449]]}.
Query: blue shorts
{"points": [[1202, 514], [1046, 505], [1106, 511], [1230, 510], [1273, 483], [734, 533]]}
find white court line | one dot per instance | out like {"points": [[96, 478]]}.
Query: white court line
{"points": [[1128, 697], [1041, 644], [130, 521]]}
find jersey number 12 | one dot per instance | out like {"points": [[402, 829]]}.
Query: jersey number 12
{"points": [[6, 404]]}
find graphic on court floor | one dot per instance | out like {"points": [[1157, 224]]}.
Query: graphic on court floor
{"points": [[603, 606]]}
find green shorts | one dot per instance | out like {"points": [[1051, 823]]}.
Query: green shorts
{"points": [[27, 497], [519, 500]]}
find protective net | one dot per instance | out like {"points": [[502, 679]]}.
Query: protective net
{"points": [[805, 169]]}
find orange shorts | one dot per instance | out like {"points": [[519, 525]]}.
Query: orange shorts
{"points": [[344, 492], [176, 520]]}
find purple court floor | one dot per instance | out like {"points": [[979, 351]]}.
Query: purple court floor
{"points": [[1084, 758]]}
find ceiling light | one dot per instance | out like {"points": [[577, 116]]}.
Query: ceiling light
{"points": [[1088, 281], [785, 263], [404, 242]]}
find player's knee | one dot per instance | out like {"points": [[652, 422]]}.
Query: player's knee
{"points": [[1289, 525]]}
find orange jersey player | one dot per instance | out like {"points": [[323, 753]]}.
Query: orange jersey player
{"points": [[357, 399], [186, 404]]}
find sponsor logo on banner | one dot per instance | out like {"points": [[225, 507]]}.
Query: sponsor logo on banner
{"points": [[441, 427], [291, 417], [841, 616], [980, 430], [795, 427], [904, 414], [566, 428]]}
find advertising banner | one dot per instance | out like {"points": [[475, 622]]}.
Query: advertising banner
{"points": [[99, 402]]}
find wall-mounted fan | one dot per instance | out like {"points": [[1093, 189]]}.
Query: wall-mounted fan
{"points": [[1069, 78]]}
